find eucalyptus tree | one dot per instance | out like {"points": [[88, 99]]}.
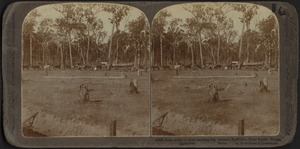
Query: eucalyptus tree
{"points": [[139, 38], [220, 17], [202, 15], [45, 33], [29, 26], [269, 39], [248, 11], [118, 13], [176, 35], [87, 17], [67, 23], [157, 32]]}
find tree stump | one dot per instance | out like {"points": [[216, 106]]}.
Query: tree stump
{"points": [[263, 85], [132, 88], [213, 93], [84, 92]]}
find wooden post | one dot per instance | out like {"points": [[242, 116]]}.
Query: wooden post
{"points": [[113, 128], [176, 72], [241, 128], [46, 72]]}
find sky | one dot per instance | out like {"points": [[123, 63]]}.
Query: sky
{"points": [[48, 11], [176, 11]]}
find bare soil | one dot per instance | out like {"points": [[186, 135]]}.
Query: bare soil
{"points": [[190, 112], [62, 113]]}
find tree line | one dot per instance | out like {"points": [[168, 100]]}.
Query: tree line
{"points": [[78, 37], [208, 37]]}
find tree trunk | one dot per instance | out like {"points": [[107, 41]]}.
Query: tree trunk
{"points": [[212, 55], [200, 50], [117, 57], [30, 52], [110, 45], [135, 57], [81, 54], [241, 44], [247, 50], [193, 61], [161, 52], [269, 54], [219, 44], [70, 51], [43, 48], [139, 55], [174, 52], [88, 49], [61, 58]]}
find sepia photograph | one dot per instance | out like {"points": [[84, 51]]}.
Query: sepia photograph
{"points": [[215, 70], [149, 74], [85, 71]]}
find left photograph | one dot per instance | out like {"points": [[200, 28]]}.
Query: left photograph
{"points": [[85, 71]]}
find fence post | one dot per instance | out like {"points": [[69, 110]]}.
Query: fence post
{"points": [[241, 127], [113, 128]]}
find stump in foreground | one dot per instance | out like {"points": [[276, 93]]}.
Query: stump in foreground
{"points": [[263, 85], [84, 92], [133, 87], [213, 93]]}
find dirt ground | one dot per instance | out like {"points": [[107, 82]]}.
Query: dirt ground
{"points": [[191, 113], [62, 113]]}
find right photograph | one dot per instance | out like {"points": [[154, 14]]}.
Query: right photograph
{"points": [[215, 70]]}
